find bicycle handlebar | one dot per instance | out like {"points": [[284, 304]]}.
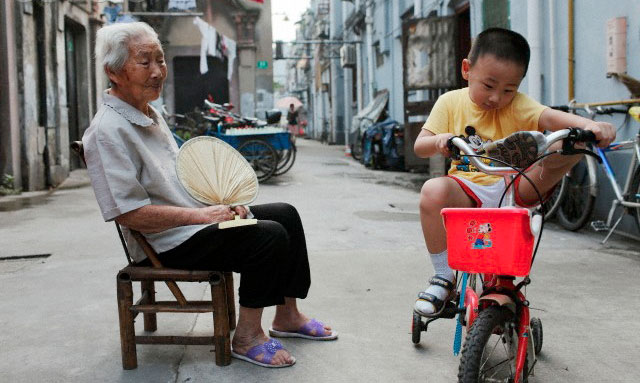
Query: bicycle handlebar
{"points": [[586, 108], [571, 136]]}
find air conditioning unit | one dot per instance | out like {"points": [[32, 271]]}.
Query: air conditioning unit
{"points": [[347, 56]]}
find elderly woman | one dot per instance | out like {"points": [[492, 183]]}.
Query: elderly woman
{"points": [[131, 156]]}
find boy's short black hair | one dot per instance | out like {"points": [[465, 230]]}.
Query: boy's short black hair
{"points": [[502, 43]]}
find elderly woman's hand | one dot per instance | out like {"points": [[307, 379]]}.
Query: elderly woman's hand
{"points": [[217, 213], [241, 211]]}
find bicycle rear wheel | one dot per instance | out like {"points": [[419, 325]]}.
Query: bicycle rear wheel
{"points": [[490, 349], [357, 146], [262, 157], [577, 205], [286, 158], [634, 196]]}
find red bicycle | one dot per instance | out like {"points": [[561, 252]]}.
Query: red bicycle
{"points": [[495, 246]]}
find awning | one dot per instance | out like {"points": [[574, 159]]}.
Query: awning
{"points": [[370, 114]]}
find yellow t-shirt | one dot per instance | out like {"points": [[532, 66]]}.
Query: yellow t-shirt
{"points": [[454, 111]]}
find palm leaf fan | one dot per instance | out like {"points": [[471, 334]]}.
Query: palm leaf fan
{"points": [[214, 173]]}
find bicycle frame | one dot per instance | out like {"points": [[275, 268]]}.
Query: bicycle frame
{"points": [[620, 194], [610, 173], [499, 289]]}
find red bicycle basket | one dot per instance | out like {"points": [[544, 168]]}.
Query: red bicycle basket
{"points": [[495, 240]]}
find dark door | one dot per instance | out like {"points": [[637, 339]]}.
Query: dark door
{"points": [[71, 43], [464, 38], [191, 87]]}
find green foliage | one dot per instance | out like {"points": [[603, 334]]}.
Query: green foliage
{"points": [[7, 186]]}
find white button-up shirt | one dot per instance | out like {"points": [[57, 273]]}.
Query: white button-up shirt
{"points": [[131, 162]]}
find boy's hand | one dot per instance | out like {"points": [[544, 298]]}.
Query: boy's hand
{"points": [[604, 131], [441, 144]]}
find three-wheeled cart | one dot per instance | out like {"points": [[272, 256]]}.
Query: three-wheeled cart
{"points": [[269, 153]]}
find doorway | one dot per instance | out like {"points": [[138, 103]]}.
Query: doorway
{"points": [[463, 16], [76, 81], [192, 88]]}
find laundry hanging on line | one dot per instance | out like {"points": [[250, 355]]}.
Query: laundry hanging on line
{"points": [[216, 45]]}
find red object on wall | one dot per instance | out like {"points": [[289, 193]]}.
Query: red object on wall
{"points": [[259, 1]]}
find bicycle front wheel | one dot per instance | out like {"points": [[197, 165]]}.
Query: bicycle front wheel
{"points": [[576, 208], [490, 349], [552, 204]]}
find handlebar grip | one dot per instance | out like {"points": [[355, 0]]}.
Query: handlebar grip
{"points": [[585, 136], [455, 151]]}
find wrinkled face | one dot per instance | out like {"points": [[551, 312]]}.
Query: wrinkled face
{"points": [[144, 73], [493, 82]]}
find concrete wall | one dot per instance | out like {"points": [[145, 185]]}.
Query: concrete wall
{"points": [[41, 148], [591, 82]]}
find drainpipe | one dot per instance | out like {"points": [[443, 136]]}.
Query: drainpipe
{"points": [[359, 84], [369, 31], [533, 33], [552, 39], [417, 13], [347, 78], [333, 79], [396, 70], [571, 51]]}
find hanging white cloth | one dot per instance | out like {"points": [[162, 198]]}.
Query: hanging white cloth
{"points": [[207, 44], [182, 5], [230, 52]]}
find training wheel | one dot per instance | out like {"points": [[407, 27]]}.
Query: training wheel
{"points": [[416, 328], [536, 332]]}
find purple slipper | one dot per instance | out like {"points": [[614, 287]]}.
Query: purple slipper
{"points": [[313, 330], [268, 349]]}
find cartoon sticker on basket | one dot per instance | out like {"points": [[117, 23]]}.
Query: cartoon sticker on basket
{"points": [[479, 235]]}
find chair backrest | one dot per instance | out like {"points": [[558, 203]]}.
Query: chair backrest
{"points": [[77, 147]]}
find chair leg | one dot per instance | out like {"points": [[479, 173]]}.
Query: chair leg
{"points": [[150, 319], [231, 301], [127, 328], [220, 319]]}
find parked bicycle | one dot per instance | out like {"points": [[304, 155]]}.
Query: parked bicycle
{"points": [[494, 246], [580, 185]]}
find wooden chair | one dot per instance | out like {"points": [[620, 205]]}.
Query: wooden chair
{"points": [[222, 304]]}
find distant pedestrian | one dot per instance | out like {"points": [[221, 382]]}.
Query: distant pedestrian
{"points": [[292, 119], [131, 160]]}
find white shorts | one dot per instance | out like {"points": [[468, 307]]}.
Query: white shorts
{"points": [[488, 196]]}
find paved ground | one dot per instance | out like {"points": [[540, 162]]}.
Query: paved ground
{"points": [[59, 318]]}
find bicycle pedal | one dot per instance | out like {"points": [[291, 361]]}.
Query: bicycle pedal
{"points": [[450, 311], [599, 226]]}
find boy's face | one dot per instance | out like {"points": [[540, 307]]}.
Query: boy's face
{"points": [[493, 82]]}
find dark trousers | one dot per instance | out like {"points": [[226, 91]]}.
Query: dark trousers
{"points": [[271, 256]]}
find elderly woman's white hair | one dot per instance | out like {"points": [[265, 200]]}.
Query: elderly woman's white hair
{"points": [[112, 42]]}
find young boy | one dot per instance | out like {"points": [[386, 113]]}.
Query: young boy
{"points": [[491, 108]]}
